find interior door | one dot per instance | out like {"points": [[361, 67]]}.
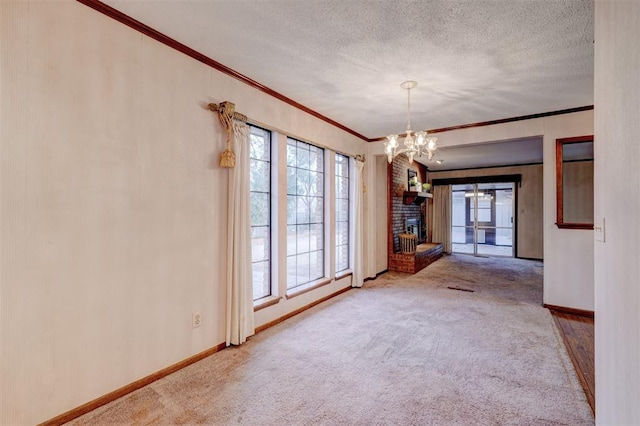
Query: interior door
{"points": [[483, 219]]}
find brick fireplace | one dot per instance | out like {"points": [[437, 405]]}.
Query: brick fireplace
{"points": [[408, 214]]}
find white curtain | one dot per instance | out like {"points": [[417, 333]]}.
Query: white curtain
{"points": [[442, 216], [358, 218], [239, 324]]}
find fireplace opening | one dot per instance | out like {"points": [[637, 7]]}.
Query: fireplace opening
{"points": [[412, 226]]}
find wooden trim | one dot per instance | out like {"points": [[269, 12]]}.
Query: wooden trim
{"points": [[174, 44], [570, 311], [576, 139], [478, 179], [512, 119], [539, 163], [559, 187], [575, 225], [270, 301], [310, 287], [502, 121], [297, 311], [118, 393], [580, 348]]}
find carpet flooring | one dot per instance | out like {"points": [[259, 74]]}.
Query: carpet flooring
{"points": [[402, 350]]}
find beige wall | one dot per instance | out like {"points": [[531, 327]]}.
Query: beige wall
{"points": [[529, 203], [381, 210], [113, 208], [617, 202]]}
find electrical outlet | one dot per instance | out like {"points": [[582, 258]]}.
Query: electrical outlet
{"points": [[598, 229], [196, 320]]}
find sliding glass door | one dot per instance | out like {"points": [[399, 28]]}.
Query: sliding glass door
{"points": [[482, 219]]}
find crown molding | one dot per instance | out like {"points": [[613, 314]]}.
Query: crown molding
{"points": [[501, 121]]}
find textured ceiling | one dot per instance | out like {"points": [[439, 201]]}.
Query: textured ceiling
{"points": [[475, 60]]}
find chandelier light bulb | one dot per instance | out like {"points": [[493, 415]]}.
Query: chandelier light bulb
{"points": [[392, 141]]}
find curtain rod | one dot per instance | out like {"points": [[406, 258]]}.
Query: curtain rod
{"points": [[226, 111]]}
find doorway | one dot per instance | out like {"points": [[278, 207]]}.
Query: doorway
{"points": [[482, 221]]}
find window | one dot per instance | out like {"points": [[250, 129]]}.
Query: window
{"points": [[260, 182], [342, 212], [305, 213]]}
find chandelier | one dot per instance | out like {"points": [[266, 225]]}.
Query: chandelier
{"points": [[414, 145]]}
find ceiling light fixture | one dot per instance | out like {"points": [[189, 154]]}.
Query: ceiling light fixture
{"points": [[414, 145]]}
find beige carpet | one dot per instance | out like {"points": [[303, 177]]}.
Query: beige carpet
{"points": [[403, 350]]}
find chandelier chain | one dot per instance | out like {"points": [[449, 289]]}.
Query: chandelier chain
{"points": [[409, 109]]}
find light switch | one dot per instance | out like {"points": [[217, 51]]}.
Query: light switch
{"points": [[598, 228]]}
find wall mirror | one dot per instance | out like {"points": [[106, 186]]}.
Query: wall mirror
{"points": [[574, 182]]}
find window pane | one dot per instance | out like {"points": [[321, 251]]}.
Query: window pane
{"points": [[484, 215], [342, 212], [342, 257], [291, 154], [316, 210], [302, 209], [302, 240], [302, 182], [316, 159], [291, 180], [342, 233], [259, 175], [458, 209], [302, 156], [260, 210], [260, 243], [305, 214], [342, 165], [291, 210], [302, 268], [342, 187], [291, 240], [316, 265], [292, 277], [259, 145], [316, 237], [261, 281], [316, 183]]}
